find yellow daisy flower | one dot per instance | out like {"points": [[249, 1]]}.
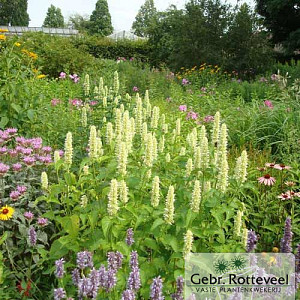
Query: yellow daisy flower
{"points": [[17, 44], [3, 30], [41, 76], [6, 213], [2, 37]]}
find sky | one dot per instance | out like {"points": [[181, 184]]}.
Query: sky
{"points": [[123, 12]]}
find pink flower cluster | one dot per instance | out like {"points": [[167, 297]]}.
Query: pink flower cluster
{"points": [[74, 77], [269, 104], [55, 102], [190, 115], [93, 103], [185, 81], [20, 191], [40, 221], [76, 102], [119, 59], [27, 152], [135, 89]]}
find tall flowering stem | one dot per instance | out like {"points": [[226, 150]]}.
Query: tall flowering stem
{"points": [[169, 209], [286, 241]]}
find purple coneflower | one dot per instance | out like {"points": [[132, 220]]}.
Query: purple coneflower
{"points": [[267, 179], [284, 196], [282, 167]]}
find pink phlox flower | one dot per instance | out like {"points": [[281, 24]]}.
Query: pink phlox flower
{"points": [[182, 107]]}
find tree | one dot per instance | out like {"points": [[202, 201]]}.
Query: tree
{"points": [[144, 18], [14, 12], [54, 18], [246, 46], [100, 20], [79, 22], [282, 19]]}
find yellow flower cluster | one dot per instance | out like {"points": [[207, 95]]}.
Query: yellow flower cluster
{"points": [[185, 72], [30, 54]]}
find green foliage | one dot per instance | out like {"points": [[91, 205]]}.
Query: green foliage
{"points": [[16, 98], [285, 30], [100, 20], [144, 18], [14, 12], [246, 46], [57, 54], [79, 22], [54, 18], [210, 32], [110, 49]]}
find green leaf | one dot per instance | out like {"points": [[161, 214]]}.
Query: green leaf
{"points": [[3, 238], [30, 114], [16, 107], [106, 225], [71, 224], [150, 243], [3, 122], [156, 223]]}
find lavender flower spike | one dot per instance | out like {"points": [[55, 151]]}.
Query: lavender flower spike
{"points": [[84, 287], [59, 272], [128, 295], [156, 289], [252, 240], [286, 241], [95, 281], [59, 293], [297, 259], [84, 260], [179, 289], [129, 237], [134, 260], [32, 236], [111, 280], [76, 276], [134, 280]]}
